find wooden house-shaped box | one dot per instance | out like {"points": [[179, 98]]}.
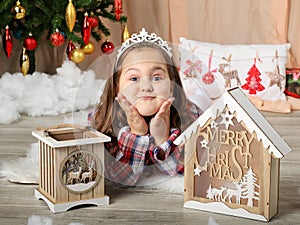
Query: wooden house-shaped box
{"points": [[71, 166], [232, 157]]}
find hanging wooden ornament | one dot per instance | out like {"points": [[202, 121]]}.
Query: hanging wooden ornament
{"points": [[125, 34], [70, 16], [118, 9], [24, 62], [253, 81], [209, 77], [86, 29], [275, 77], [77, 55], [7, 42], [30, 43], [70, 48], [93, 20], [57, 38], [18, 11], [88, 48]]}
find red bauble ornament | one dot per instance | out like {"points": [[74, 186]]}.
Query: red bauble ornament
{"points": [[93, 20], [70, 48], [107, 47], [57, 38], [208, 78], [7, 42], [86, 29], [118, 9], [30, 43]]}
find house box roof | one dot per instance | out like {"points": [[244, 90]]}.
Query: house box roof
{"points": [[237, 102]]}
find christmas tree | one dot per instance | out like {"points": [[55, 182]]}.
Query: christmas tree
{"points": [[74, 21], [253, 80], [249, 184]]}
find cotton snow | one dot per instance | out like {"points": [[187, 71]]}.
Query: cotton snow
{"points": [[70, 89]]}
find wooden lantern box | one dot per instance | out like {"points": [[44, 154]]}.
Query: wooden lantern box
{"points": [[232, 157], [71, 163]]}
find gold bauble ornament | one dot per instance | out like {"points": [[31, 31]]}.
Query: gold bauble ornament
{"points": [[70, 16], [88, 48], [77, 55], [24, 62], [18, 11], [125, 34]]}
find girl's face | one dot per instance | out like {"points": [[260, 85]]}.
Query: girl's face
{"points": [[144, 80]]}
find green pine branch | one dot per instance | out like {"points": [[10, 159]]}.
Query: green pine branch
{"points": [[43, 17]]}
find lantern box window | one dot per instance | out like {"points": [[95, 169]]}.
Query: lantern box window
{"points": [[71, 166]]}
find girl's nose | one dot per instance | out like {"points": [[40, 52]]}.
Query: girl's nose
{"points": [[146, 85]]}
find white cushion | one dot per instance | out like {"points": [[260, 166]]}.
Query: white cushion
{"points": [[198, 58]]}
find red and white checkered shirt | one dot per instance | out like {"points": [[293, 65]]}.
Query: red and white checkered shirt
{"points": [[129, 155]]}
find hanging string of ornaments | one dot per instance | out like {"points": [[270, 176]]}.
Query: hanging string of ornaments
{"points": [[82, 20]]}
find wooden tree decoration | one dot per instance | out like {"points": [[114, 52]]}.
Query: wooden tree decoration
{"points": [[249, 184], [253, 80]]}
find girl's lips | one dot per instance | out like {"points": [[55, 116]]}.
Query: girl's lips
{"points": [[147, 97]]}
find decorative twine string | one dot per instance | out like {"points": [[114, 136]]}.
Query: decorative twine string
{"points": [[237, 60]]}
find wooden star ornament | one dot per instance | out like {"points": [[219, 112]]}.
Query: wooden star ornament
{"points": [[275, 77]]}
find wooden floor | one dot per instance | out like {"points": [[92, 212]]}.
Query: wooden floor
{"points": [[137, 206]]}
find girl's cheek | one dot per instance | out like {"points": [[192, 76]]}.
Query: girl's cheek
{"points": [[164, 90], [125, 87], [129, 92]]}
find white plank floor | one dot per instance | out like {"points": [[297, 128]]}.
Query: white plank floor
{"points": [[136, 206]]}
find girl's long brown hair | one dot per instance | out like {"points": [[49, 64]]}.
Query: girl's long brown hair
{"points": [[109, 115]]}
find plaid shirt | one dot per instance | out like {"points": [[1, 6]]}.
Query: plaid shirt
{"points": [[134, 152], [129, 155]]}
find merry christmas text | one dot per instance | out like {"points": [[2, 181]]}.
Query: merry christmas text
{"points": [[226, 164]]}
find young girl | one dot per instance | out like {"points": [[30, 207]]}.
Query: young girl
{"points": [[143, 108]]}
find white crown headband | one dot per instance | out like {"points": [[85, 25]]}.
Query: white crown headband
{"points": [[143, 36]]}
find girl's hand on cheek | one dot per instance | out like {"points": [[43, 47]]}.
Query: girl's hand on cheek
{"points": [[160, 123], [136, 122]]}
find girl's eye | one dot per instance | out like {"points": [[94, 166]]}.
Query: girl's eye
{"points": [[157, 78], [133, 78]]}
